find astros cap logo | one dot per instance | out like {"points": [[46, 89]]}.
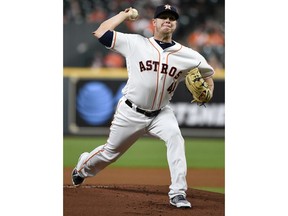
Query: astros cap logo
{"points": [[167, 7]]}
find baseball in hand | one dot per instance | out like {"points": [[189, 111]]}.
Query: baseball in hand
{"points": [[134, 14]]}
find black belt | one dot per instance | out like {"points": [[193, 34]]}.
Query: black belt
{"points": [[146, 113]]}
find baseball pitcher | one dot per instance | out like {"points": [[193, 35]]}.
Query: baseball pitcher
{"points": [[155, 67]]}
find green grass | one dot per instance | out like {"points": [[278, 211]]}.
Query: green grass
{"points": [[150, 152], [212, 189]]}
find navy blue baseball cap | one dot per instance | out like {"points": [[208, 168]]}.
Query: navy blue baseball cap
{"points": [[166, 8]]}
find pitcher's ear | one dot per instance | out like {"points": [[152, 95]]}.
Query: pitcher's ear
{"points": [[154, 22]]}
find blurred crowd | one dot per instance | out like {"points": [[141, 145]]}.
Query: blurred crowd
{"points": [[200, 26]]}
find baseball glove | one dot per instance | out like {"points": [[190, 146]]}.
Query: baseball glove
{"points": [[198, 87]]}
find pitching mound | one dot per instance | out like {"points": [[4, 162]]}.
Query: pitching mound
{"points": [[136, 200]]}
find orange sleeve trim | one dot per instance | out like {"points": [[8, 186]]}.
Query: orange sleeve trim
{"points": [[114, 39]]}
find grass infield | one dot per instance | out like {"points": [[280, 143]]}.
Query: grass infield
{"points": [[150, 152]]}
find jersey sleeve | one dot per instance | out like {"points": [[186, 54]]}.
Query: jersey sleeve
{"points": [[125, 43], [205, 69], [107, 38], [122, 43]]}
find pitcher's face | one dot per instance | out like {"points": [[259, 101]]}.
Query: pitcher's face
{"points": [[165, 23]]}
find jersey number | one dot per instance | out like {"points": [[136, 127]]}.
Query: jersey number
{"points": [[172, 87]]}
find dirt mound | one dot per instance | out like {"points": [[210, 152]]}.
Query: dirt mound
{"points": [[150, 176], [117, 200]]}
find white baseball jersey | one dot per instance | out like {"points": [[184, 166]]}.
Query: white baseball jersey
{"points": [[154, 73]]}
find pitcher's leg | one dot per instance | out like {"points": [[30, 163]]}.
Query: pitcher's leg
{"points": [[106, 154], [124, 131], [165, 126], [177, 165]]}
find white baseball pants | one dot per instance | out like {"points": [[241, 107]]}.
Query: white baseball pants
{"points": [[127, 126]]}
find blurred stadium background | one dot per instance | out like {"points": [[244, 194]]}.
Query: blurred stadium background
{"points": [[201, 27]]}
